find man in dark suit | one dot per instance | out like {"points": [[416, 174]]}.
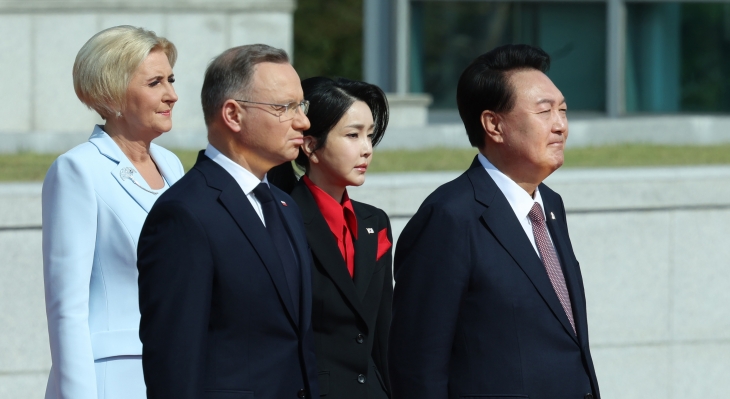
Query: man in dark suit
{"points": [[489, 299], [224, 265]]}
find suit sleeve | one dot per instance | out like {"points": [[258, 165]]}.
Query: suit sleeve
{"points": [[175, 285], [380, 347], [432, 270], [69, 239]]}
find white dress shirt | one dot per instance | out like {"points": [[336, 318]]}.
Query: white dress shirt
{"points": [[520, 201], [245, 179]]}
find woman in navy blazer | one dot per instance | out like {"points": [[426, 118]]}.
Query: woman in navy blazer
{"points": [[350, 241], [95, 200]]}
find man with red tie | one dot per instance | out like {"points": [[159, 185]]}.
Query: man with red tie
{"points": [[489, 298]]}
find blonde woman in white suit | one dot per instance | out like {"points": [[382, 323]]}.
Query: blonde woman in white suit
{"points": [[95, 199]]}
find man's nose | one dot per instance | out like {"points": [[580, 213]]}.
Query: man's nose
{"points": [[560, 124], [300, 122]]}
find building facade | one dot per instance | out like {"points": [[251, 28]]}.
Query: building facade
{"points": [[39, 40], [609, 57]]}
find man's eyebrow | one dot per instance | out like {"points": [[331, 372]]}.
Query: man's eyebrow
{"points": [[550, 101]]}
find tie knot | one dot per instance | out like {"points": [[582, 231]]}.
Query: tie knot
{"points": [[536, 214], [263, 193]]}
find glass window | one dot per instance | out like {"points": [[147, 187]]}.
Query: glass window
{"points": [[678, 57], [447, 35]]}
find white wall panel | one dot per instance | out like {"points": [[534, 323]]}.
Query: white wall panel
{"points": [[15, 73], [57, 39]]}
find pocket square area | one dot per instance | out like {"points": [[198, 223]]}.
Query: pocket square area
{"points": [[384, 243]]}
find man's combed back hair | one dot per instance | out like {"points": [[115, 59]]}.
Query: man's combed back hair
{"points": [[484, 84], [229, 75]]}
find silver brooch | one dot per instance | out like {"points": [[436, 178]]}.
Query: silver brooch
{"points": [[127, 173]]}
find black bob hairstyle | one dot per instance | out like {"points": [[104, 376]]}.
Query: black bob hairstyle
{"points": [[484, 84], [329, 99]]}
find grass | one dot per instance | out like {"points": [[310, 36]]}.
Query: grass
{"points": [[25, 166], [33, 167]]}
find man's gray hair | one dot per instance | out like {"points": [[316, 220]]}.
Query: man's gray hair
{"points": [[230, 75]]}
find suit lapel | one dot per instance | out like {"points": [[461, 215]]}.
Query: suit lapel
{"points": [[502, 222], [366, 248], [301, 249], [324, 246], [559, 235], [111, 150], [289, 217], [240, 209]]}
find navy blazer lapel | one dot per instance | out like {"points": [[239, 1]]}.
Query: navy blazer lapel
{"points": [[502, 222], [289, 216], [301, 248], [366, 248], [324, 246], [240, 209], [560, 237]]}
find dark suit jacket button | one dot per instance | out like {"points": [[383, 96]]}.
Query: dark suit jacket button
{"points": [[588, 396], [360, 338], [302, 393], [361, 378]]}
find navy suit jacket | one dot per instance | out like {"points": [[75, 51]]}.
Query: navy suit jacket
{"points": [[474, 312], [218, 319]]}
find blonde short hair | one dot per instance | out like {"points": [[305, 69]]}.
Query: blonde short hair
{"points": [[106, 63]]}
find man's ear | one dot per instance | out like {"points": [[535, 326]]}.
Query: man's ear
{"points": [[230, 115], [310, 143], [492, 125]]}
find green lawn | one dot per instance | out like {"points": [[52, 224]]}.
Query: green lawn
{"points": [[30, 167]]}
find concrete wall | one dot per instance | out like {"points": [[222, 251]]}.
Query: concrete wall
{"points": [[652, 248], [39, 40], [24, 353]]}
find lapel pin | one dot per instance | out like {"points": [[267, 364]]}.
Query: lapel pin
{"points": [[552, 216], [127, 173], [284, 203], [370, 230]]}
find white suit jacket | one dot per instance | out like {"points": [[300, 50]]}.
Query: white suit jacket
{"points": [[92, 218]]}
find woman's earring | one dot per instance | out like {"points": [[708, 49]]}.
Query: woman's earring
{"points": [[119, 114]]}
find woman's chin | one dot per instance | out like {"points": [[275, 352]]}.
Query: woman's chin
{"points": [[357, 181]]}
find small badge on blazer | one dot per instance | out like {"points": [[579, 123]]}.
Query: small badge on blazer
{"points": [[284, 203], [127, 173], [370, 230], [552, 215]]}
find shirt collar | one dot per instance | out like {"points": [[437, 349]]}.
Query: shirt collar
{"points": [[520, 201], [247, 180], [336, 214]]}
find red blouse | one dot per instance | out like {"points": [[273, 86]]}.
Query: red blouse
{"points": [[341, 219]]}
